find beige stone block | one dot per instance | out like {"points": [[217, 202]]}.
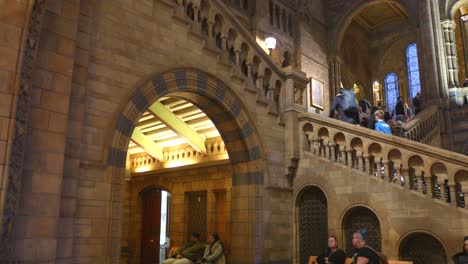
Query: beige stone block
{"points": [[32, 204], [54, 101], [9, 58], [35, 249], [10, 36], [63, 26], [13, 13], [71, 9], [39, 118], [36, 226], [5, 104], [37, 182], [3, 150], [65, 248], [7, 80], [58, 122], [55, 62]]}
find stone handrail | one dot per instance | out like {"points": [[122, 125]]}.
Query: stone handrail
{"points": [[424, 127], [224, 34], [414, 166]]}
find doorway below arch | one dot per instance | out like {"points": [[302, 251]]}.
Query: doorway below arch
{"points": [[422, 248], [358, 218], [313, 223]]}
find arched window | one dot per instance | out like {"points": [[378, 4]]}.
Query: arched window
{"points": [[413, 70], [391, 90]]}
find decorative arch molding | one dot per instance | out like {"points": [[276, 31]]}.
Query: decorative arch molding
{"points": [[427, 249], [344, 20], [311, 221], [376, 234], [228, 114], [452, 6]]}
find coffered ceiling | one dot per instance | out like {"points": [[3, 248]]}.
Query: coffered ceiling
{"points": [[378, 16]]}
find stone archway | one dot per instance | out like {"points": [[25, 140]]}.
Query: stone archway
{"points": [[342, 22], [312, 222], [358, 218], [422, 248], [228, 114]]}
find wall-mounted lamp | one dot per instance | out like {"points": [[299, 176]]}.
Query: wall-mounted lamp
{"points": [[270, 43]]}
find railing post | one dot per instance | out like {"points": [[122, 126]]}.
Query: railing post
{"points": [[386, 171], [443, 189], [326, 151], [316, 146], [429, 186], [349, 158], [369, 167], [341, 155], [406, 180], [260, 91], [332, 151], [419, 179], [453, 193]]}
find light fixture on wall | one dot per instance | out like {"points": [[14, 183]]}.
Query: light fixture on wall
{"points": [[270, 43]]}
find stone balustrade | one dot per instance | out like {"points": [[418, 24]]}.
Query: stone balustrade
{"points": [[429, 171], [180, 156], [224, 34], [424, 127]]}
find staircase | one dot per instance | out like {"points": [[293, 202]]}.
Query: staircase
{"points": [[416, 167]]}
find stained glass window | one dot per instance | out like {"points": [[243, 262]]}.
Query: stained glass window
{"points": [[413, 70], [391, 90]]}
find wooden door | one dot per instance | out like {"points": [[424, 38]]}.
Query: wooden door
{"points": [[150, 227]]}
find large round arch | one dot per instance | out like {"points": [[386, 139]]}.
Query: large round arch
{"points": [[231, 119], [312, 222], [342, 23], [421, 248], [360, 217]]}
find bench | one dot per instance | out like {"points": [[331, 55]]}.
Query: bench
{"points": [[313, 260]]}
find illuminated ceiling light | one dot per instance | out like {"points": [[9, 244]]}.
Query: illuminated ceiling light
{"points": [[270, 43]]}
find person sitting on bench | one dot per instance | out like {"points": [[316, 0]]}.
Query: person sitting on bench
{"points": [[189, 253]]}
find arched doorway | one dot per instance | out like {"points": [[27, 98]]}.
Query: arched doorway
{"points": [[422, 248], [313, 223], [358, 218], [244, 166]]}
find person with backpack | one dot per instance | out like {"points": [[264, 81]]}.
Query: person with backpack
{"points": [[345, 105], [364, 253]]}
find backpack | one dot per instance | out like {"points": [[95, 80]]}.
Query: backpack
{"points": [[348, 101], [383, 259]]}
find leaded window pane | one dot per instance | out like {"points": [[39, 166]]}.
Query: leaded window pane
{"points": [[413, 70], [391, 90]]}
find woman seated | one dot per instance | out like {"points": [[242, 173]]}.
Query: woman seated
{"points": [[333, 255], [214, 252]]}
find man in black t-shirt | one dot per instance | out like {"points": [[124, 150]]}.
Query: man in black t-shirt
{"points": [[462, 257], [364, 254]]}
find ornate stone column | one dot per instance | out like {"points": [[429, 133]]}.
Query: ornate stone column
{"points": [[406, 178], [448, 27], [332, 151], [335, 75], [386, 171], [429, 185], [453, 193], [443, 190], [368, 166], [341, 155]]}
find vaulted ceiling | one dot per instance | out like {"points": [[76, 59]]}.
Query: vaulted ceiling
{"points": [[378, 16]]}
